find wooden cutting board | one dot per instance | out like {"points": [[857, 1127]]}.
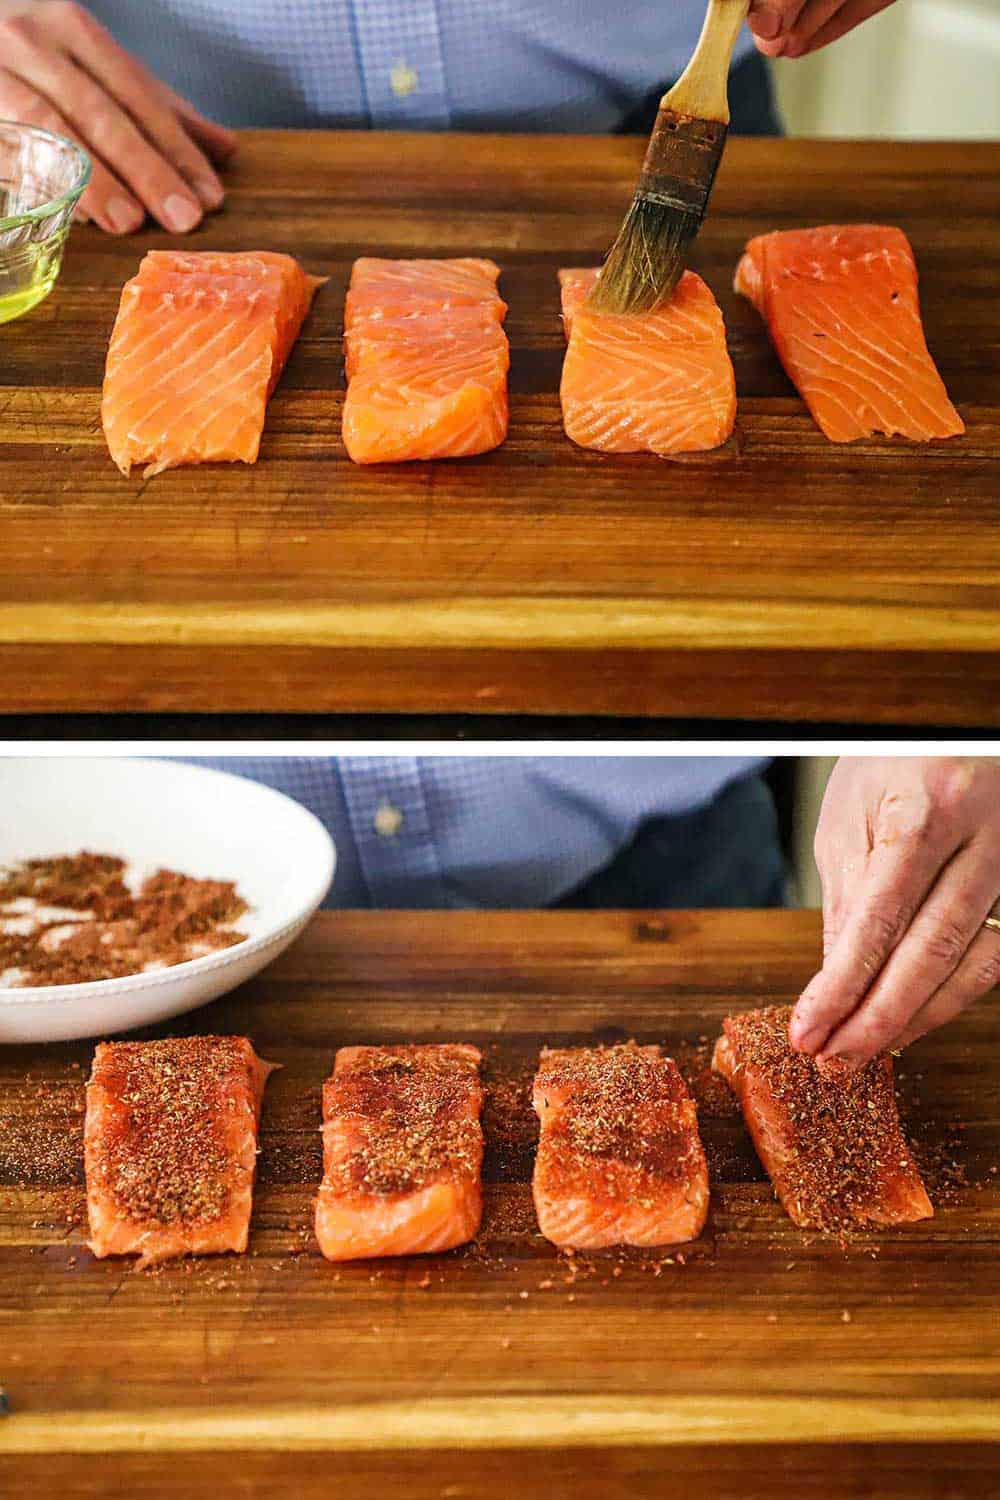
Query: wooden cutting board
{"points": [[784, 578], [770, 1363]]}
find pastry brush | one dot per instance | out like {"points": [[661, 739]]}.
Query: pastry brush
{"points": [[646, 260]]}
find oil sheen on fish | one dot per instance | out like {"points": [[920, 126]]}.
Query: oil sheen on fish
{"points": [[657, 382]]}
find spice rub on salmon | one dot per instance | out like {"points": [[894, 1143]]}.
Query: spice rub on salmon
{"points": [[402, 1151], [426, 359], [619, 1158], [170, 1146], [657, 382], [830, 1140]]}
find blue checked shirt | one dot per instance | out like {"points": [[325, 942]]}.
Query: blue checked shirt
{"points": [[478, 832], [574, 65]]}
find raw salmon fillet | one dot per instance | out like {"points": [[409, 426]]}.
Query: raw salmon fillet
{"points": [[841, 306], [658, 382], [426, 359], [170, 1146], [830, 1141], [402, 1150], [197, 348], [619, 1157]]}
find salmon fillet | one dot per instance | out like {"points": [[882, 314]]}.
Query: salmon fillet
{"points": [[830, 1141], [170, 1146], [426, 359], [199, 342], [841, 306], [402, 1151], [658, 382], [619, 1157]]}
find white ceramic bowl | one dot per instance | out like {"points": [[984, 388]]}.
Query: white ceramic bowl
{"points": [[160, 813]]}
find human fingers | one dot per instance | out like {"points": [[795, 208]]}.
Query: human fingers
{"points": [[97, 118], [843, 19], [106, 200], [215, 139], [841, 851], [770, 21], [931, 951], [978, 973], [882, 904], [134, 88]]}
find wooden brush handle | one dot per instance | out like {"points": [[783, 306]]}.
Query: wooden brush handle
{"points": [[701, 89]]}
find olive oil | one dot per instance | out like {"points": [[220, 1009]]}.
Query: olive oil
{"points": [[41, 179], [28, 265]]}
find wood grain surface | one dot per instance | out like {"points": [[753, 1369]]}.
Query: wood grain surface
{"points": [[782, 578], [763, 1360]]}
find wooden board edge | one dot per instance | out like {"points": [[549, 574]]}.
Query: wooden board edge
{"points": [[520, 1422], [511, 623], [864, 687]]}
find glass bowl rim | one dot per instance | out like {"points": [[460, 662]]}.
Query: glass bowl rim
{"points": [[46, 210]]}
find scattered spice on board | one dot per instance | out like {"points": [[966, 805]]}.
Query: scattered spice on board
{"points": [[41, 1132], [509, 1122], [73, 919], [712, 1095], [938, 1145]]}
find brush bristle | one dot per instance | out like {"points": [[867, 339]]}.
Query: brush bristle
{"points": [[647, 258]]}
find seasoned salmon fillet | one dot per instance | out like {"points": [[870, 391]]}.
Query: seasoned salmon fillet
{"points": [[619, 1157], [830, 1140], [841, 306], [402, 1151], [199, 342], [657, 382], [170, 1146], [426, 359]]}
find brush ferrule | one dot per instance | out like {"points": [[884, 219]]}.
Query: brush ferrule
{"points": [[681, 161]]}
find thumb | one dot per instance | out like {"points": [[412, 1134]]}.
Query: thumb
{"points": [[771, 20]]}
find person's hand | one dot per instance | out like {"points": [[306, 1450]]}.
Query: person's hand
{"points": [[908, 852], [791, 28], [151, 150]]}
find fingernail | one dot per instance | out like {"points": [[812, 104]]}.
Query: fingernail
{"points": [[180, 214], [766, 24], [124, 215], [803, 1038], [210, 191]]}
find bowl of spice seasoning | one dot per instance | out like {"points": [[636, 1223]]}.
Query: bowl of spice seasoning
{"points": [[132, 890]]}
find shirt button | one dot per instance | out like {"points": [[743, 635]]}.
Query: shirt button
{"points": [[388, 820], [403, 80]]}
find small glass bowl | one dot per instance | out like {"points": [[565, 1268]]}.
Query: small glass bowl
{"points": [[41, 178]]}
